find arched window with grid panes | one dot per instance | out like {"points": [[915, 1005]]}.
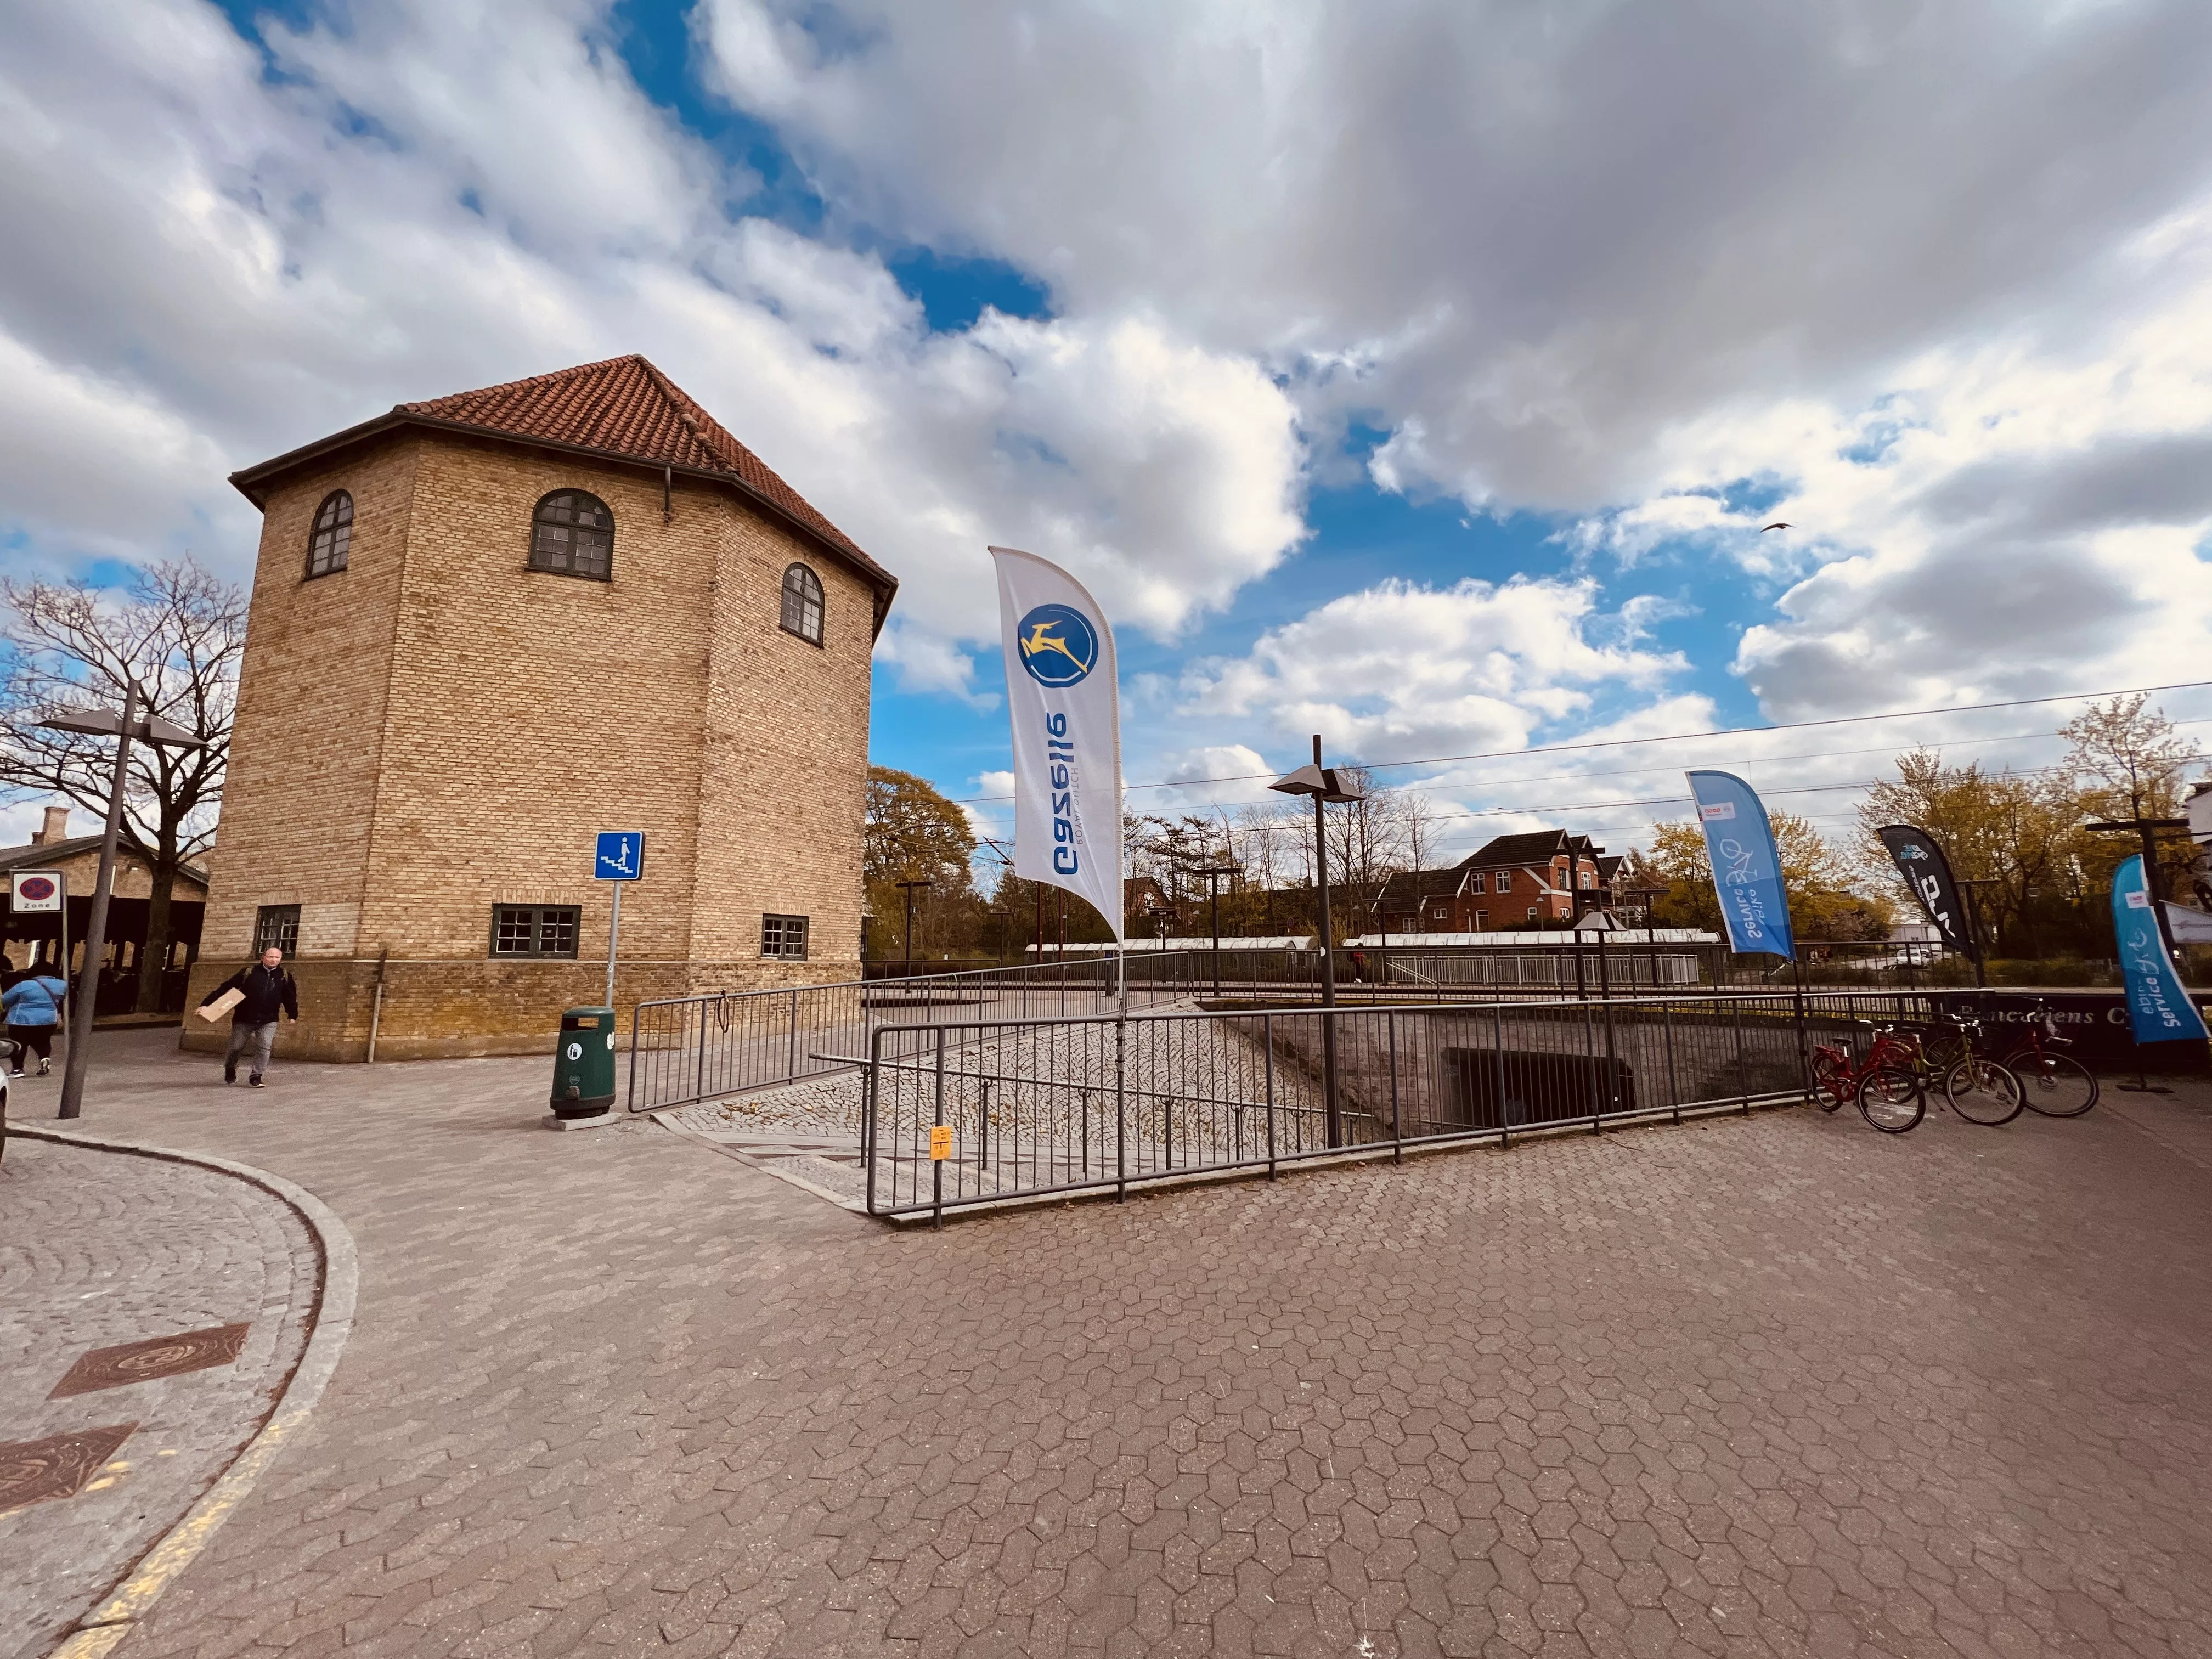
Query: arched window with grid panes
{"points": [[802, 604], [573, 534], [331, 537]]}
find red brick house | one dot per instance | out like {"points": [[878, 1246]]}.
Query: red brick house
{"points": [[1541, 878]]}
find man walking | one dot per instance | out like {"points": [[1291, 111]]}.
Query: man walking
{"points": [[34, 1005], [264, 988]]}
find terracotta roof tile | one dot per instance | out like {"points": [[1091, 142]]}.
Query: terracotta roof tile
{"points": [[626, 406]]}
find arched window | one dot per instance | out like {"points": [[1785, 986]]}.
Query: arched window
{"points": [[573, 534], [331, 536], [802, 604]]}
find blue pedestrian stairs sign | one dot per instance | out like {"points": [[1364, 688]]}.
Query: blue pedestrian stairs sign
{"points": [[620, 855]]}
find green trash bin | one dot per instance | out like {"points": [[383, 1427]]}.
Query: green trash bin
{"points": [[584, 1063]]}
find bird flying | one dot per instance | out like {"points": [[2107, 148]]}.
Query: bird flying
{"points": [[1779, 525]]}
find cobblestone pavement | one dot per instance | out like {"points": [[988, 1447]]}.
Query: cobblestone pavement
{"points": [[1767, 1385], [100, 1248]]}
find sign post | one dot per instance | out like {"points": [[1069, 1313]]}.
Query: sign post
{"points": [[620, 858], [35, 892], [137, 721]]}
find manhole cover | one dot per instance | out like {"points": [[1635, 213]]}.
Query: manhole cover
{"points": [[57, 1467], [141, 1362]]}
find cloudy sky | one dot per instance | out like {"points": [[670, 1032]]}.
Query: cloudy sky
{"points": [[1416, 374]]}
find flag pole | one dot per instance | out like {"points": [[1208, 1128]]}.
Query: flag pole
{"points": [[1121, 921]]}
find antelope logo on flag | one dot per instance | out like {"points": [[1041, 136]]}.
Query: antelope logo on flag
{"points": [[1057, 645]]}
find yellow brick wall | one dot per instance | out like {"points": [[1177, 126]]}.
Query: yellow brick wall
{"points": [[441, 729], [787, 726], [312, 692]]}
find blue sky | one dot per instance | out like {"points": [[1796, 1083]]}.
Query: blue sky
{"points": [[1422, 377]]}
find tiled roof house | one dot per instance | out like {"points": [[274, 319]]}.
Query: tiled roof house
{"points": [[1538, 879]]}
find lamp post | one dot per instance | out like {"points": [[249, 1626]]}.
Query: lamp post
{"points": [[1214, 872], [910, 885], [1324, 785], [99, 723], [2149, 829], [1650, 934], [1974, 928]]}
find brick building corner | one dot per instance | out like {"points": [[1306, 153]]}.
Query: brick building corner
{"points": [[484, 628]]}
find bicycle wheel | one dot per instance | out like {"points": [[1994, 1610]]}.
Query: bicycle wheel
{"points": [[1831, 1083], [1983, 1092], [1892, 1099], [2057, 1085]]}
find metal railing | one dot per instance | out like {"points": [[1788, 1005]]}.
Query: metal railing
{"points": [[1019, 1108], [720, 1044], [726, 1042]]}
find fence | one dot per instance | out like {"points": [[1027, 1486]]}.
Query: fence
{"points": [[724, 1042], [1025, 1109], [719, 1044]]}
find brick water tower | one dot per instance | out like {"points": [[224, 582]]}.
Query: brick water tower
{"points": [[485, 627]]}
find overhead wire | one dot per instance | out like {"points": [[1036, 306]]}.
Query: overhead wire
{"points": [[1673, 737]]}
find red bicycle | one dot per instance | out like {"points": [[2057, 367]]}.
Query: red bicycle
{"points": [[1885, 1084], [2057, 1085]]}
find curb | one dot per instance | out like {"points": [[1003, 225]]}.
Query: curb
{"points": [[98, 1632]]}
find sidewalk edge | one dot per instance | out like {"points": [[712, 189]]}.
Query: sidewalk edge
{"points": [[98, 1631]]}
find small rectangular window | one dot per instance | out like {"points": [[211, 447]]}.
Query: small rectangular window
{"points": [[534, 930], [277, 925], [1479, 886], [784, 937], [1532, 913]]}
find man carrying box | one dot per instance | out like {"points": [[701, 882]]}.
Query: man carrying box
{"points": [[253, 996]]}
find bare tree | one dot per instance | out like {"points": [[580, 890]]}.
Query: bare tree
{"points": [[1417, 818], [177, 631], [1260, 851]]}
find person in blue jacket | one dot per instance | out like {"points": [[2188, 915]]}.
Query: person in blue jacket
{"points": [[33, 1005]]}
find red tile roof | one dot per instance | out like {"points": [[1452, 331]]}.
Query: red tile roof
{"points": [[622, 407], [626, 406]]}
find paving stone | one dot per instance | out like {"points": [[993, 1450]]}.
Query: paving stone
{"points": [[101, 1249], [1773, 1385]]}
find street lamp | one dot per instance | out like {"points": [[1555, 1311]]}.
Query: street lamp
{"points": [[1324, 785], [1650, 934], [99, 723], [2149, 829], [1974, 925], [910, 886], [1214, 872]]}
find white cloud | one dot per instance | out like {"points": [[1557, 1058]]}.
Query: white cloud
{"points": [[1618, 261], [2035, 508], [101, 462], [210, 266], [1401, 669], [1536, 240], [1209, 776], [1940, 274]]}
